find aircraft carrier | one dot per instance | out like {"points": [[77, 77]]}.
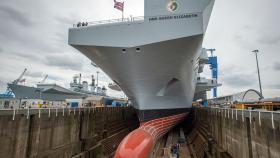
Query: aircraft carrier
{"points": [[155, 60]]}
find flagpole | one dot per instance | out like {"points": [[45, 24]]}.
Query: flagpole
{"points": [[122, 11]]}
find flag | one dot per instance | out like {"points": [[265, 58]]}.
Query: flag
{"points": [[20, 81], [118, 5]]}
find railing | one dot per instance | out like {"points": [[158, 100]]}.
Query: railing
{"points": [[137, 19], [236, 114], [102, 22], [56, 111]]}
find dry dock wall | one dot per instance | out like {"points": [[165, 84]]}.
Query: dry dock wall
{"points": [[243, 133], [58, 133]]}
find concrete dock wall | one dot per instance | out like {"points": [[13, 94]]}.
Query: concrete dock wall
{"points": [[243, 133], [51, 133]]}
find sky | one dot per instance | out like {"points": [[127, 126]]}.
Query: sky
{"points": [[33, 35]]}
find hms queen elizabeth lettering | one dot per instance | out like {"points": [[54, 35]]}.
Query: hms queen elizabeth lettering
{"points": [[171, 17]]}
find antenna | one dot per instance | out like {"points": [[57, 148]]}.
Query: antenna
{"points": [[80, 78]]}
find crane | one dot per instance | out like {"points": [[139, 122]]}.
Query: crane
{"points": [[214, 67], [44, 79], [20, 77]]}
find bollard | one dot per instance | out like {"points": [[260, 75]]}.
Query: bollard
{"points": [[63, 112], [242, 115], [49, 112], [250, 115], [39, 113], [14, 114], [236, 114], [272, 120], [27, 114], [56, 112], [74, 111], [215, 112], [231, 114], [260, 123]]}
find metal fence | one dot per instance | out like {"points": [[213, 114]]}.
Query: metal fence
{"points": [[237, 114], [55, 111]]}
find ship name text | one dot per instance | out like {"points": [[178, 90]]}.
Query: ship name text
{"points": [[170, 17]]}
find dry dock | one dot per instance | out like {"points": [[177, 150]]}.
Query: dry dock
{"points": [[240, 133], [97, 132], [64, 133]]}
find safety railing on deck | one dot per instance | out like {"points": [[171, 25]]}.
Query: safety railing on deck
{"points": [[137, 19], [110, 21]]}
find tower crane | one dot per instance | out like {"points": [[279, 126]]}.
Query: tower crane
{"points": [[214, 68]]}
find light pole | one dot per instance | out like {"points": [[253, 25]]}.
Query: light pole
{"points": [[97, 72], [260, 84]]}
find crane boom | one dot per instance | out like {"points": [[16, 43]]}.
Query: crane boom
{"points": [[44, 79], [20, 77]]}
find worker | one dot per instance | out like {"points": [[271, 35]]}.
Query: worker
{"points": [[79, 24]]}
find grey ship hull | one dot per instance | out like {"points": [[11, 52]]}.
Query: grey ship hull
{"points": [[51, 94], [154, 62], [157, 78]]}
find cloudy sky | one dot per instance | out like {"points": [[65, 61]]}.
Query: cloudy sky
{"points": [[33, 35]]}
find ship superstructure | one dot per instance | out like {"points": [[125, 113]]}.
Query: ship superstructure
{"points": [[80, 86], [155, 59], [78, 89]]}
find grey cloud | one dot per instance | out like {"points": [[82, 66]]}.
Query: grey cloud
{"points": [[276, 86], [61, 37], [64, 61], [29, 56], [34, 38], [235, 78], [247, 27], [69, 20], [56, 78], [17, 16], [3, 86], [273, 86], [64, 23], [34, 74], [276, 66], [238, 81], [269, 39], [242, 42]]}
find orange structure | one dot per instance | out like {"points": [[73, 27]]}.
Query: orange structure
{"points": [[139, 143]]}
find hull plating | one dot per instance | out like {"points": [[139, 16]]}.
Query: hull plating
{"points": [[155, 76]]}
